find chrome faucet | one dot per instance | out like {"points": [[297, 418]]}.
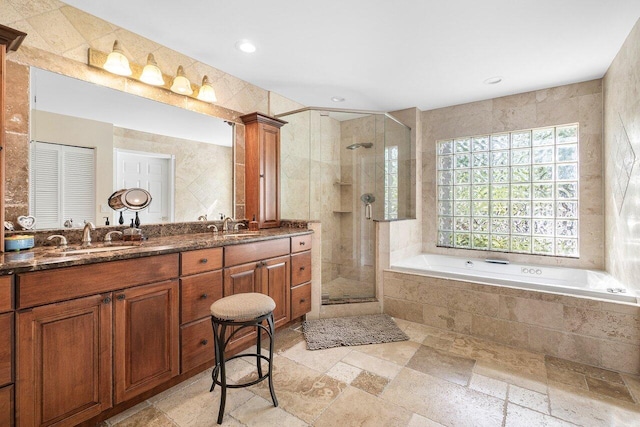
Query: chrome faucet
{"points": [[237, 226], [62, 242], [215, 228], [86, 234], [107, 238], [225, 224]]}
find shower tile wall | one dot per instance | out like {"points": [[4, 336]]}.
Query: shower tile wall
{"points": [[622, 107], [580, 102]]}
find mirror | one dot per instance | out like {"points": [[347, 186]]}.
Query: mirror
{"points": [[98, 140]]}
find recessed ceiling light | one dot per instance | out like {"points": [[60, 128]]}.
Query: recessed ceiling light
{"points": [[245, 46], [493, 80], [337, 99]]}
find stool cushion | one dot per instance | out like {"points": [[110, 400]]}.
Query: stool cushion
{"points": [[241, 307]]}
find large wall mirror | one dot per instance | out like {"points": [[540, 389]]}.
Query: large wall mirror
{"points": [[88, 141]]}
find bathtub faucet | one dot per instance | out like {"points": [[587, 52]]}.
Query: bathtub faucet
{"points": [[497, 261]]}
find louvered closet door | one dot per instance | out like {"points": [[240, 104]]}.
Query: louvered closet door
{"points": [[62, 184]]}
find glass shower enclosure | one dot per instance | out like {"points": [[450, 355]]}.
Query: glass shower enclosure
{"points": [[346, 169]]}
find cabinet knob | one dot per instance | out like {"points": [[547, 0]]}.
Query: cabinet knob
{"points": [[204, 260], [107, 300], [203, 296], [302, 300], [261, 175], [302, 268], [301, 243], [204, 342], [121, 297]]}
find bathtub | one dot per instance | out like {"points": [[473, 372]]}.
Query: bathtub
{"points": [[573, 281]]}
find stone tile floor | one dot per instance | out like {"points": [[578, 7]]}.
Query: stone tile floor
{"points": [[437, 378]]}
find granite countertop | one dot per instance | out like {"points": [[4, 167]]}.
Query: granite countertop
{"points": [[48, 257]]}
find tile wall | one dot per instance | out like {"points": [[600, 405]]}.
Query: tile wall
{"points": [[580, 102], [621, 88], [584, 330]]}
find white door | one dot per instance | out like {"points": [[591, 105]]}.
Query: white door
{"points": [[152, 172]]}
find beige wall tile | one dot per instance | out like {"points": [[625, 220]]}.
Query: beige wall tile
{"points": [[533, 312], [444, 318], [510, 333], [602, 324]]}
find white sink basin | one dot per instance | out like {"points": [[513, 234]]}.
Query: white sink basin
{"points": [[96, 249]]}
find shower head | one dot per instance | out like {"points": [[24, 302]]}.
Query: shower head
{"points": [[360, 144]]}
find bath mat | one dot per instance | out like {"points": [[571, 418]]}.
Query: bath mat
{"points": [[346, 331]]}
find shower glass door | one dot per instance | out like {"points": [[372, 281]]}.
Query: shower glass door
{"points": [[347, 170]]}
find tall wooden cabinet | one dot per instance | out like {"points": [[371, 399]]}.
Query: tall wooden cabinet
{"points": [[262, 169]]}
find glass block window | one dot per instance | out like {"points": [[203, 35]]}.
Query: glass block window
{"points": [[510, 192], [391, 182]]}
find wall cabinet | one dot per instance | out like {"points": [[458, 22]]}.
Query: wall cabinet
{"points": [[146, 338], [262, 169], [64, 361]]}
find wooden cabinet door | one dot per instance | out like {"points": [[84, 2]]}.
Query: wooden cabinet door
{"points": [[275, 281], [269, 176], [241, 279], [6, 406], [64, 361], [146, 344]]}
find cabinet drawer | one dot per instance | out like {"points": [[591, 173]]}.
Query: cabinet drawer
{"points": [[197, 344], [6, 406], [43, 287], [300, 300], [6, 348], [300, 243], [199, 261], [6, 293], [300, 268], [198, 292], [248, 252]]}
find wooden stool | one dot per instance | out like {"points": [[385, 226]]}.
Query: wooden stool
{"points": [[244, 311]]}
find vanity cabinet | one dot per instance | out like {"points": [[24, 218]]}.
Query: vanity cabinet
{"points": [[200, 286], [259, 267], [146, 349], [64, 361], [300, 275], [91, 336], [262, 169], [6, 351]]}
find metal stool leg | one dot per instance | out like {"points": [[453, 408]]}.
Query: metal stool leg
{"points": [[259, 349], [271, 332], [216, 347], [223, 374]]}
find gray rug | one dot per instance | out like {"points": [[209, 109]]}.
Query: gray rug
{"points": [[345, 331]]}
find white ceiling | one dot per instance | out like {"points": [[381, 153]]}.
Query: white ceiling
{"points": [[388, 55]]}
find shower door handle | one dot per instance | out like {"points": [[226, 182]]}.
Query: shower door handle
{"points": [[367, 211]]}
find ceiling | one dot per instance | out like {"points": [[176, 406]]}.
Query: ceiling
{"points": [[384, 55]]}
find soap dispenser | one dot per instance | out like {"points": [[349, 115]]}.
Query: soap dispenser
{"points": [[253, 224]]}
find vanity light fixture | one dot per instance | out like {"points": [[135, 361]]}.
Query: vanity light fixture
{"points": [[181, 83], [206, 92], [151, 73], [116, 62]]}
